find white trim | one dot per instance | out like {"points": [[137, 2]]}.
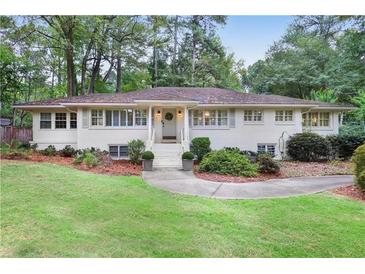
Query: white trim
{"points": [[38, 106]]}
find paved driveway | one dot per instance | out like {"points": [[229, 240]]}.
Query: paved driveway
{"points": [[185, 182]]}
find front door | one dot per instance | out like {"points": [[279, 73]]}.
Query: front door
{"points": [[168, 121]]}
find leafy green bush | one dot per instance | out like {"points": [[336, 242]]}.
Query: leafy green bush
{"points": [[227, 163], [343, 146], [200, 146], [68, 151], [90, 160], [148, 155], [49, 151], [99, 157], [15, 150], [267, 164], [307, 147], [250, 154], [135, 150], [187, 155], [359, 163]]}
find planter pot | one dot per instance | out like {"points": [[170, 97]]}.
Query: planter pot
{"points": [[187, 164], [147, 165]]}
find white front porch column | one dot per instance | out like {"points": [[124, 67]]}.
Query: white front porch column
{"points": [[186, 124], [149, 123]]}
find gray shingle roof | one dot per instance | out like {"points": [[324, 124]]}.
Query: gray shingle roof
{"points": [[202, 96]]}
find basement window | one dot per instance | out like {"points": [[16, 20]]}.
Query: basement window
{"points": [[266, 148], [118, 151]]}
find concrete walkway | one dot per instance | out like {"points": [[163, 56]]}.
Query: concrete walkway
{"points": [[185, 182]]}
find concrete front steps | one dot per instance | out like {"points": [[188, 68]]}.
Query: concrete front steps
{"points": [[167, 155]]}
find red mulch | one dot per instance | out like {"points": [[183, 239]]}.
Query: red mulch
{"points": [[235, 179], [353, 192], [287, 169], [120, 167]]}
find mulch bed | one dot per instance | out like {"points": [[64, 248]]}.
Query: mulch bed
{"points": [[120, 167], [287, 169], [235, 179], [352, 192]]}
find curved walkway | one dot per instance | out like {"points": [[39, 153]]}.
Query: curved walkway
{"points": [[185, 182]]}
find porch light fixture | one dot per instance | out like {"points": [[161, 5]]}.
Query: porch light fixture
{"points": [[179, 113], [158, 113], [207, 113]]}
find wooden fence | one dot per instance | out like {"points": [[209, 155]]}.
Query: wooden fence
{"points": [[9, 132]]}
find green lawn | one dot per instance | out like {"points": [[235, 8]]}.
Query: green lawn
{"points": [[53, 211]]}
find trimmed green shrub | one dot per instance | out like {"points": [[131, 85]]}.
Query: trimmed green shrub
{"points": [[227, 163], [187, 155], [68, 151], [49, 151], [267, 164], [359, 166], [200, 146], [90, 160], [148, 155], [308, 147], [135, 150]]}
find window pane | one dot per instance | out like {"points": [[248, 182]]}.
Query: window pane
{"points": [[257, 116], [261, 148], [46, 120], [116, 118], [123, 118], [314, 119], [141, 117], [108, 118], [60, 120], [73, 120], [123, 151], [279, 115], [324, 119], [130, 117], [198, 118], [248, 115], [113, 151], [289, 115], [271, 149]]}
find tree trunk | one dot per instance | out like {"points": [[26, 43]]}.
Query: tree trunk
{"points": [[195, 25], [84, 62], [118, 87], [95, 73], [175, 46], [107, 75], [59, 75], [155, 67]]}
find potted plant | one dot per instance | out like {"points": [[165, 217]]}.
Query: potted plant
{"points": [[147, 157], [188, 160]]}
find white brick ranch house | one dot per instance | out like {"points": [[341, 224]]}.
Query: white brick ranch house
{"points": [[168, 118]]}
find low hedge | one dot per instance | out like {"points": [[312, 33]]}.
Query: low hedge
{"points": [[343, 146], [227, 163], [359, 166], [148, 155]]}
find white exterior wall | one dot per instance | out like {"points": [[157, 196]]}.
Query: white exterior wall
{"points": [[57, 137], [246, 135]]}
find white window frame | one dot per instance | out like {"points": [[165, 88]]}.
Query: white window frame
{"points": [[284, 116], [40, 120], [140, 117], [75, 120], [204, 117], [119, 157], [249, 116], [97, 117], [266, 145], [55, 121], [317, 115]]}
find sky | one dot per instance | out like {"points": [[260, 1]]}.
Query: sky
{"points": [[249, 37]]}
